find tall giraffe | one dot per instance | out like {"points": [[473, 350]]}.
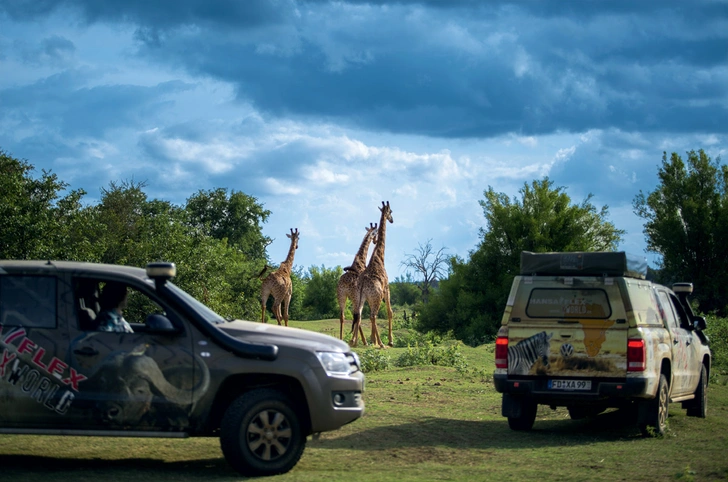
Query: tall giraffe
{"points": [[374, 285], [348, 281], [278, 284]]}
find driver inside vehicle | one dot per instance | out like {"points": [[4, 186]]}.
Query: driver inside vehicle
{"points": [[112, 301]]}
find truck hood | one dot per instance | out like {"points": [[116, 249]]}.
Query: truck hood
{"points": [[269, 334]]}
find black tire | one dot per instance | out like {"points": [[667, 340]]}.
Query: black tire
{"points": [[526, 418], [261, 434], [653, 419], [698, 407]]}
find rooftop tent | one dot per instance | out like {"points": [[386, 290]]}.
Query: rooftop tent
{"points": [[582, 263]]}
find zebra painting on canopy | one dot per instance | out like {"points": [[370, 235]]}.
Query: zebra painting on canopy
{"points": [[524, 354]]}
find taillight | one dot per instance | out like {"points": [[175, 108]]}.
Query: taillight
{"points": [[636, 355], [501, 352]]}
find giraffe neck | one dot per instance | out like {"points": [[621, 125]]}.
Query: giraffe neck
{"points": [[287, 265], [360, 260], [378, 254]]}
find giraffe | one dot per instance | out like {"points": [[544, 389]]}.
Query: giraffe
{"points": [[347, 282], [278, 283], [374, 285]]}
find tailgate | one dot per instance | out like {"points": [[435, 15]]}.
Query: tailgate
{"points": [[567, 327]]}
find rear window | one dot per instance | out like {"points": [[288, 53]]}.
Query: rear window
{"points": [[568, 303], [28, 301]]}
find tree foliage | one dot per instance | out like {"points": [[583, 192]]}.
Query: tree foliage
{"points": [[470, 302], [218, 251], [319, 300], [236, 217], [37, 222], [686, 223], [404, 291]]}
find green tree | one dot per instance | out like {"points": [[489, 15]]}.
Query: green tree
{"points": [[404, 291], [686, 223], [470, 302], [236, 217], [320, 292], [37, 222]]}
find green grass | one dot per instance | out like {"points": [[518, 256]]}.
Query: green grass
{"points": [[421, 423]]}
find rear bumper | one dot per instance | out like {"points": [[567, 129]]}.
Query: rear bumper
{"points": [[602, 389]]}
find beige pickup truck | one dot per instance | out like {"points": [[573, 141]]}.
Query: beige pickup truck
{"points": [[587, 331]]}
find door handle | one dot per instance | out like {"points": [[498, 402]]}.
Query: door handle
{"points": [[86, 351]]}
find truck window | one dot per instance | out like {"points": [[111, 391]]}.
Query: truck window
{"points": [[90, 304], [568, 303], [667, 311], [644, 304], [680, 313], [28, 301]]}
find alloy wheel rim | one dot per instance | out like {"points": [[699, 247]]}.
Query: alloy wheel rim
{"points": [[663, 407], [269, 435]]}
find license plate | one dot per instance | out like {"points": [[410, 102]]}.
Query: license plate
{"points": [[570, 384]]}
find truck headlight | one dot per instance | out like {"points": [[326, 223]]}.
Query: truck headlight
{"points": [[334, 363]]}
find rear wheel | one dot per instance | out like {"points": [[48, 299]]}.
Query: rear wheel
{"points": [[653, 416], [527, 416], [698, 407], [260, 434]]}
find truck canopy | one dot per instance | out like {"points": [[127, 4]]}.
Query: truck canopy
{"points": [[582, 263]]}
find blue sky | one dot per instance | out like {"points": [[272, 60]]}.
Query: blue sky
{"points": [[322, 110]]}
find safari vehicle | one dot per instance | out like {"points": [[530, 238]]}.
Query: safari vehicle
{"points": [[183, 372], [587, 331]]}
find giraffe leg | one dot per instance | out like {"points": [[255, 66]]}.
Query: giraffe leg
{"points": [[341, 324], [277, 312], [262, 306], [356, 326], [376, 340], [390, 314], [342, 307], [286, 303]]}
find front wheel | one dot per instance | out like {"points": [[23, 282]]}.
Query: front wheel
{"points": [[653, 416], [698, 407], [261, 434]]}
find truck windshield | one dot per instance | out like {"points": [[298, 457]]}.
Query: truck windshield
{"points": [[203, 310], [568, 303]]}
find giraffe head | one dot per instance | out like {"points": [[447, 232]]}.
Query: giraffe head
{"points": [[293, 237], [386, 212], [372, 232]]}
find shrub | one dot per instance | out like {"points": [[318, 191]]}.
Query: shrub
{"points": [[373, 360], [429, 354], [717, 331]]}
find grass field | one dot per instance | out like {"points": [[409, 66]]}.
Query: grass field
{"points": [[421, 423]]}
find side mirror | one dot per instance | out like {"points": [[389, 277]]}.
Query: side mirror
{"points": [[699, 323], [159, 324]]}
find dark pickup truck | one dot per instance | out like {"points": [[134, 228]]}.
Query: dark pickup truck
{"points": [[180, 370]]}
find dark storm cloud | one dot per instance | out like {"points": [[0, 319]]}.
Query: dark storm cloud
{"points": [[446, 68], [63, 101], [158, 13]]}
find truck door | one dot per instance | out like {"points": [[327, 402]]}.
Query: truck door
{"points": [[143, 380], [37, 388], [692, 366], [681, 339]]}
